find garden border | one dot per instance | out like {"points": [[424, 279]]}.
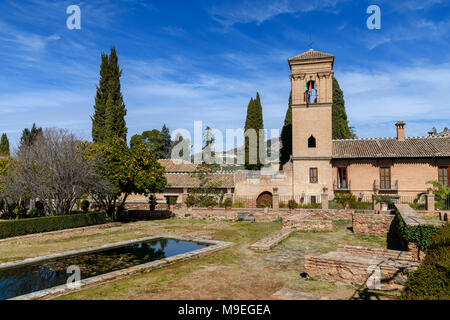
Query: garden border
{"points": [[146, 267]]}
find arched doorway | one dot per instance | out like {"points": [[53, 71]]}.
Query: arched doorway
{"points": [[263, 196]]}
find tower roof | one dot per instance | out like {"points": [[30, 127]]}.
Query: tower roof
{"points": [[311, 54]]}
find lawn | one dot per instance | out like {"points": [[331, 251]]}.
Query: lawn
{"points": [[234, 273]]}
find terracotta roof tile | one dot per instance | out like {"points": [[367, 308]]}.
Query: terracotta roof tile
{"points": [[311, 54], [392, 148]]}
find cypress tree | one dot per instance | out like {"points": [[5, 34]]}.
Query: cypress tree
{"points": [[260, 128], [254, 121], [341, 130], [4, 146], [29, 136], [115, 125], [286, 135], [99, 117], [167, 143]]}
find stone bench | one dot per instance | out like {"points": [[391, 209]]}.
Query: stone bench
{"points": [[272, 239]]}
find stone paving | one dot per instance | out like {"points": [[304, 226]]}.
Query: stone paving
{"points": [[288, 294]]}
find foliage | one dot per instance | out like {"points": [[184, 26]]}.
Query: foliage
{"points": [[346, 199], [292, 204], [4, 146], [108, 120], [431, 280], [383, 199], [85, 205], [420, 235], [13, 228], [129, 170], [166, 142], [210, 202], [309, 205], [29, 136], [266, 203], [206, 188], [228, 202], [254, 121], [238, 205], [341, 130], [190, 201], [153, 139], [286, 135], [152, 202], [171, 201], [19, 211]]}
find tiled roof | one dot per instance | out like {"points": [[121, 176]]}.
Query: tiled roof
{"points": [[311, 54], [392, 148], [187, 180], [177, 166]]}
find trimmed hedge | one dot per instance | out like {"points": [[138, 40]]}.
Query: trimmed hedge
{"points": [[419, 235], [13, 228], [431, 281]]}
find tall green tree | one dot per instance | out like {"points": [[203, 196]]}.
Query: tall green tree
{"points": [[99, 117], [286, 135], [167, 142], [341, 129], [115, 125], [4, 146], [108, 120], [29, 136], [254, 121], [152, 139]]}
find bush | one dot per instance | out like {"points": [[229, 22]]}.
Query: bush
{"points": [[346, 199], [190, 201], [85, 205], [228, 202], [309, 206], [266, 204], [419, 235], [238, 205], [172, 201], [13, 228], [431, 280], [292, 204]]}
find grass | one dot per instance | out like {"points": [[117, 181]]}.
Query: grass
{"points": [[233, 273]]}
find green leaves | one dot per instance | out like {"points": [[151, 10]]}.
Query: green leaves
{"points": [[4, 146], [341, 130]]}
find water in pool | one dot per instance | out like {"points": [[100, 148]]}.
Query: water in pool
{"points": [[50, 273]]}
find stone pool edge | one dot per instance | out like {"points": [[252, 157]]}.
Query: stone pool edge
{"points": [[61, 289]]}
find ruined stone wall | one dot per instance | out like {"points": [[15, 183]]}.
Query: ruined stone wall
{"points": [[372, 223]]}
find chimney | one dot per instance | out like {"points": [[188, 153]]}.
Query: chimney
{"points": [[400, 130]]}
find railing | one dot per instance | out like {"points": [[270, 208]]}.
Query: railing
{"points": [[385, 185], [342, 185]]}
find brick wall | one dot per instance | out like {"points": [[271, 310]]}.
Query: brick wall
{"points": [[372, 223]]}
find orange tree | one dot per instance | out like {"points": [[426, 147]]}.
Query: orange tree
{"points": [[128, 170]]}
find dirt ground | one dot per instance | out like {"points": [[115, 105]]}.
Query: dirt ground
{"points": [[234, 273]]}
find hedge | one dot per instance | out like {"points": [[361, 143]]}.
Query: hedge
{"points": [[431, 280], [419, 235], [13, 228]]}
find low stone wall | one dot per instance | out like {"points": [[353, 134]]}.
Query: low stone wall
{"points": [[353, 268], [379, 252], [272, 239], [314, 225], [372, 223]]}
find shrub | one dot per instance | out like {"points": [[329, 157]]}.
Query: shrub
{"points": [[190, 201], [85, 205], [431, 280], [172, 201], [309, 206], [419, 235], [238, 205], [210, 202], [152, 202], [13, 228], [292, 204], [228, 202], [266, 204], [32, 213], [19, 211], [346, 199]]}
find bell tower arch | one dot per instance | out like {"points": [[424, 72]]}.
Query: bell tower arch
{"points": [[312, 98]]}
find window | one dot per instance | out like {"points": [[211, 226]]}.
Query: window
{"points": [[313, 177], [311, 92], [311, 142], [342, 178], [443, 175], [385, 178], [313, 200]]}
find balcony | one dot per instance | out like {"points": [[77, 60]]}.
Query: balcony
{"points": [[385, 185], [342, 185]]}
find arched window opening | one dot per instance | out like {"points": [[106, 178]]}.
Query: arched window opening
{"points": [[311, 92], [311, 142]]}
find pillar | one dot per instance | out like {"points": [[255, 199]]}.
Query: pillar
{"points": [[183, 198], [324, 199], [430, 200]]}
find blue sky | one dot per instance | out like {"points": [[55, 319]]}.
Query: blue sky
{"points": [[203, 60]]}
